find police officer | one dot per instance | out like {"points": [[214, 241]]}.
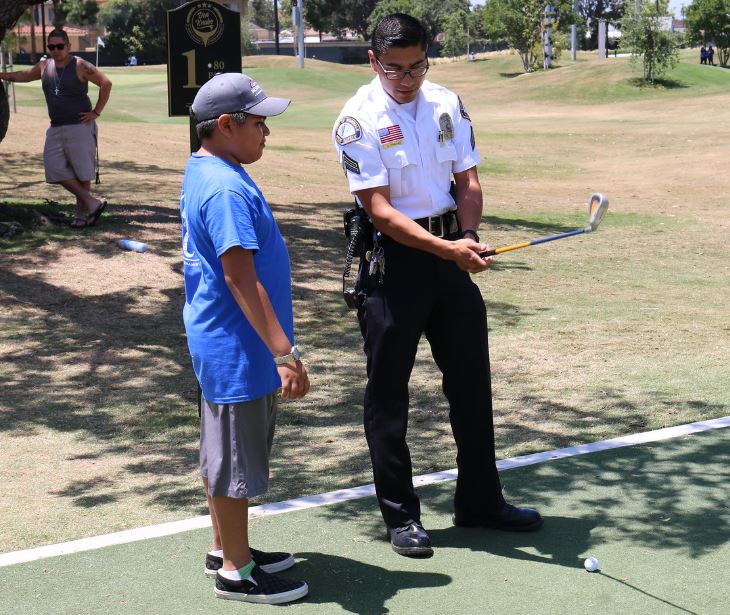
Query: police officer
{"points": [[400, 140]]}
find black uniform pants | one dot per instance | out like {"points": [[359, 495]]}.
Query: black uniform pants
{"points": [[422, 293]]}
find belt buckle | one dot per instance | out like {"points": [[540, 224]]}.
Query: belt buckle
{"points": [[432, 225]]}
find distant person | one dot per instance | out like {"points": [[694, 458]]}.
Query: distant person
{"points": [[133, 60], [711, 56], [703, 55], [240, 328], [401, 139], [69, 155]]}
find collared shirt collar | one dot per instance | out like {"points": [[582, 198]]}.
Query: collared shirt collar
{"points": [[387, 101]]}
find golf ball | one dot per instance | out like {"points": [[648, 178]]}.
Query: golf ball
{"points": [[591, 564]]}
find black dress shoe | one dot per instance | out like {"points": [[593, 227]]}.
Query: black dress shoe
{"points": [[510, 518], [410, 540]]}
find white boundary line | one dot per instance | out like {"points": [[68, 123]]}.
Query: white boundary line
{"points": [[342, 495]]}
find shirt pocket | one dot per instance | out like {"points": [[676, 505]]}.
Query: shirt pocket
{"points": [[396, 161], [445, 159], [446, 155]]}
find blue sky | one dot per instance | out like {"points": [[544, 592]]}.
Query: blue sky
{"points": [[676, 6]]}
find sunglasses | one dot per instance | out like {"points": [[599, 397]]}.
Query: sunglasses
{"points": [[59, 47]]}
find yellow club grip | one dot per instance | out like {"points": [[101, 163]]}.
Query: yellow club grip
{"points": [[516, 246]]}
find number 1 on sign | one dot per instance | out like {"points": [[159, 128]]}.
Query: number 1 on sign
{"points": [[190, 57]]}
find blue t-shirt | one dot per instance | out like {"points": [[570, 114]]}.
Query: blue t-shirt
{"points": [[221, 207]]}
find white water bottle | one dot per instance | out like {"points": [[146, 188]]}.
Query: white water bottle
{"points": [[134, 246]]}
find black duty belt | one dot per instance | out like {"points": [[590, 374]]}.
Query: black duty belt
{"points": [[440, 226]]}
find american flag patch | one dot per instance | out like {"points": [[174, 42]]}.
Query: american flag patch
{"points": [[390, 134]]}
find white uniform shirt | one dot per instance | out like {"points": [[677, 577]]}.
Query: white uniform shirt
{"points": [[380, 144]]}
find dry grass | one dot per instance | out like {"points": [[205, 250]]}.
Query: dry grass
{"points": [[593, 337]]}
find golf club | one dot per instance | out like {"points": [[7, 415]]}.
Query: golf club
{"points": [[597, 206]]}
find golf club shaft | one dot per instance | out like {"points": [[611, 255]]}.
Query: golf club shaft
{"points": [[534, 242]]}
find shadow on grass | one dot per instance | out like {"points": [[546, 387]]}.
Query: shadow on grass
{"points": [[20, 171], [666, 496], [118, 397], [665, 84], [120, 220], [360, 587], [521, 224]]}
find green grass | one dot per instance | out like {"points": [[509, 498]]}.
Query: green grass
{"points": [[141, 96], [588, 82], [591, 337]]}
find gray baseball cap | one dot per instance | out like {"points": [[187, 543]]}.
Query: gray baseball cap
{"points": [[231, 93]]}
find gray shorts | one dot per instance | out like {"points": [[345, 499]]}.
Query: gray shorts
{"points": [[235, 444], [70, 153]]}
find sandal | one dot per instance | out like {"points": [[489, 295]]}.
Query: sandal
{"points": [[79, 222], [96, 214]]}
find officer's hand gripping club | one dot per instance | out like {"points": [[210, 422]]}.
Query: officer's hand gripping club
{"points": [[597, 206]]}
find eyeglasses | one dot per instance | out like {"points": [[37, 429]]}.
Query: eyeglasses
{"points": [[59, 46], [397, 75]]}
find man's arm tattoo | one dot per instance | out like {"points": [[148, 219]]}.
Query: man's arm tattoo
{"points": [[89, 68]]}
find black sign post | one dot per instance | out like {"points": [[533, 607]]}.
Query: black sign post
{"points": [[203, 39]]}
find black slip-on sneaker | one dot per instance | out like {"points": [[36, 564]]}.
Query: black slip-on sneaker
{"points": [[269, 562], [261, 588]]}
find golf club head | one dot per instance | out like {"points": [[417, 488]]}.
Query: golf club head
{"points": [[597, 207]]}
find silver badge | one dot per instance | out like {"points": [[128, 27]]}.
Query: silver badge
{"points": [[447, 128]]}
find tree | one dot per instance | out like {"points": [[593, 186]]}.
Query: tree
{"points": [[593, 11], [4, 112], [519, 24], [12, 40], [431, 13], [10, 12], [320, 15], [81, 12], [137, 26], [261, 12], [78, 12], [477, 35], [644, 35], [352, 15], [456, 34], [285, 21], [708, 21], [387, 7]]}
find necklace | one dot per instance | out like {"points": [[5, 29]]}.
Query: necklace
{"points": [[57, 79]]}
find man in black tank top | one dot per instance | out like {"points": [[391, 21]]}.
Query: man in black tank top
{"points": [[70, 148]]}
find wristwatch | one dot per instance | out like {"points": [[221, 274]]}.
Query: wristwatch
{"points": [[471, 232], [294, 355]]}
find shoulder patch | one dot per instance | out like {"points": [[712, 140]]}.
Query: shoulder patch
{"points": [[348, 131], [462, 110], [349, 164]]}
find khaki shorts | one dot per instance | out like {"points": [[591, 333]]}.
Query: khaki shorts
{"points": [[235, 444], [70, 153]]}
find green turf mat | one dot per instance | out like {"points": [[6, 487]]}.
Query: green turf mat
{"points": [[656, 516]]}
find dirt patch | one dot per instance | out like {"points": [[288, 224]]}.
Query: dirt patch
{"points": [[591, 338]]}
